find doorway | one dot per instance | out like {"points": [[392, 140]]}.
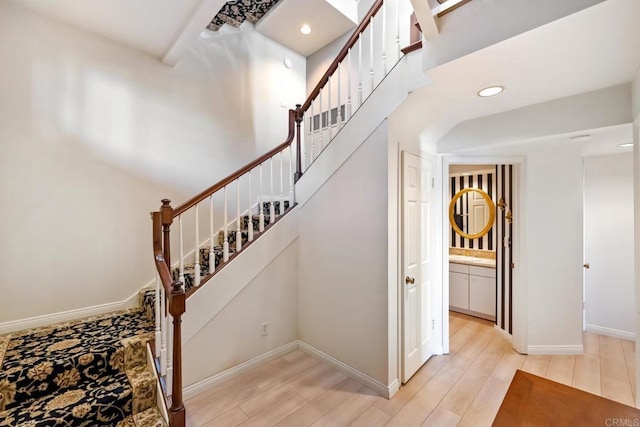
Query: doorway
{"points": [[608, 291], [479, 259]]}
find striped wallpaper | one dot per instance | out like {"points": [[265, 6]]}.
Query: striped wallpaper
{"points": [[484, 180], [504, 249]]}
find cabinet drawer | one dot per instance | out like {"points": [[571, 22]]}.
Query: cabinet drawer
{"points": [[482, 271], [459, 268]]}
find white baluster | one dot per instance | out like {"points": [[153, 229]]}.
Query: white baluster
{"points": [[272, 208], [305, 143], [250, 214], [329, 110], [196, 267], [238, 224], [291, 175], [371, 54], [181, 278], [398, 51], [163, 332], [384, 39], [169, 374], [225, 243], [320, 142], [281, 181], [212, 254], [158, 314], [312, 132], [348, 112], [360, 70], [260, 206], [339, 100]]}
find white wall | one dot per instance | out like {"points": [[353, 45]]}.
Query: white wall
{"points": [[94, 134], [608, 215], [343, 287], [235, 334]]}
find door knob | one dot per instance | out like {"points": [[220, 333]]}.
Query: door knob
{"points": [[409, 280], [586, 265]]}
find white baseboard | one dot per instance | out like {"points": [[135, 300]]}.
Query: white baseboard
{"points": [[616, 333], [394, 387], [79, 313], [63, 316], [544, 350], [504, 334], [375, 385], [207, 383]]}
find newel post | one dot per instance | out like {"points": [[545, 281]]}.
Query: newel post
{"points": [[299, 114], [166, 216], [177, 307]]}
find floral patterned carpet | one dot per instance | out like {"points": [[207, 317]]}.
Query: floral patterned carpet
{"points": [[89, 372], [235, 12]]}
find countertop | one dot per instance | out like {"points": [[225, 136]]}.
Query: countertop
{"points": [[470, 260]]}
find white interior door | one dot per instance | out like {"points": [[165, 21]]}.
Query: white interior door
{"points": [[418, 284]]}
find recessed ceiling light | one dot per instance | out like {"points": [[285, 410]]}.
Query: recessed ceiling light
{"points": [[305, 29], [626, 144], [490, 91], [581, 138]]}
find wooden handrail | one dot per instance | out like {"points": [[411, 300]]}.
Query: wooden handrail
{"points": [[237, 174], [176, 299], [343, 54]]}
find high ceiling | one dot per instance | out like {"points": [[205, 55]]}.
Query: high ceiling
{"points": [[595, 48], [165, 29]]}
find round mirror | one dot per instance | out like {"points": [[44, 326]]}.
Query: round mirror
{"points": [[478, 215]]}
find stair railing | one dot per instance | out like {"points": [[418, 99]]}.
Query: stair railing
{"points": [[366, 59], [177, 282]]}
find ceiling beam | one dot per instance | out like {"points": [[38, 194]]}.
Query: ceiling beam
{"points": [[201, 16]]}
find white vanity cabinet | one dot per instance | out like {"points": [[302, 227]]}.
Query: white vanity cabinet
{"points": [[472, 290]]}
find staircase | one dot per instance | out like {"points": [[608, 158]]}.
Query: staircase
{"points": [[113, 370], [88, 372]]}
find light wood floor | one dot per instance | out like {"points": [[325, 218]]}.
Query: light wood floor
{"points": [[462, 388]]}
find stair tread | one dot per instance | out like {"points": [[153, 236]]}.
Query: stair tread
{"points": [[104, 401], [149, 418]]}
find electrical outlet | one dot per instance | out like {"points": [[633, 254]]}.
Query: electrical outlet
{"points": [[265, 328]]}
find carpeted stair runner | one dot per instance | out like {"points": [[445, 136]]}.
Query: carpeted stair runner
{"points": [[189, 270], [89, 372]]}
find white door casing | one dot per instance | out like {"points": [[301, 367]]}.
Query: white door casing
{"points": [[418, 247]]}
